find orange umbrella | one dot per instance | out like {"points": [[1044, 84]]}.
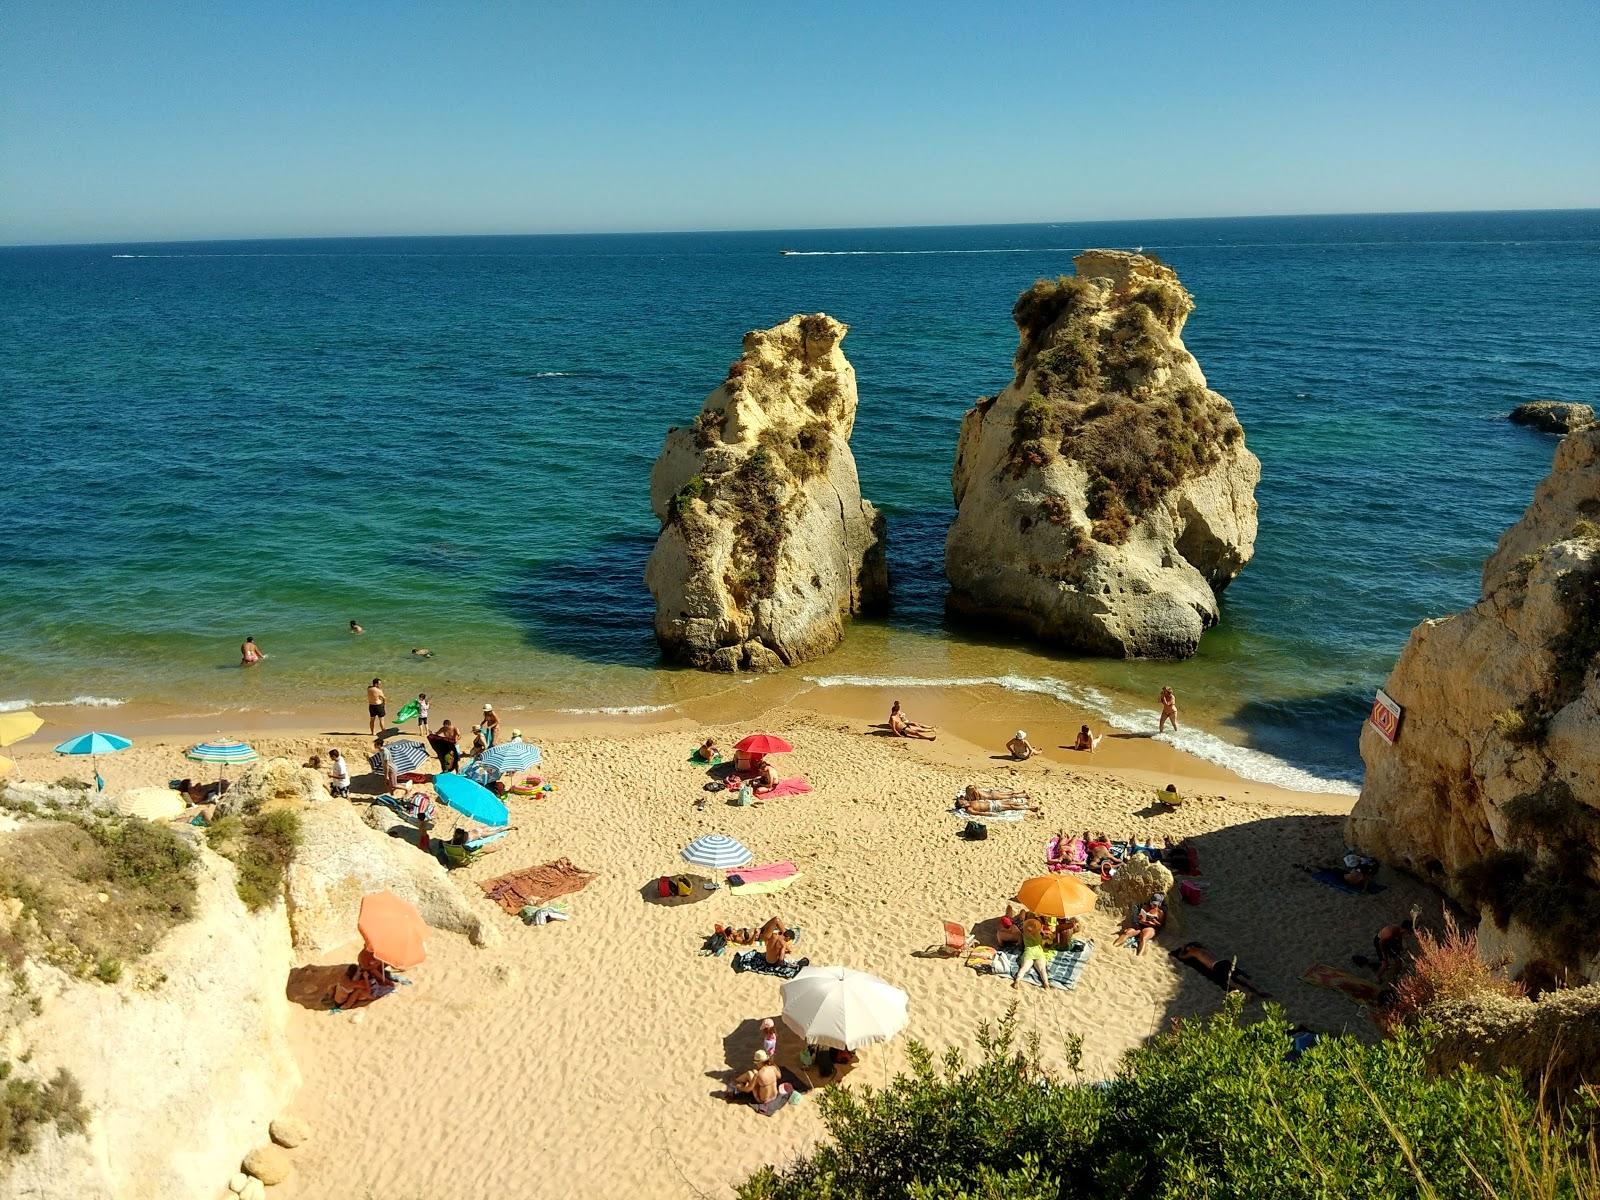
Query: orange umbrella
{"points": [[1056, 896], [392, 930]]}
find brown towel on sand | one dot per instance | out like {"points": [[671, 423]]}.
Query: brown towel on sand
{"points": [[535, 885]]}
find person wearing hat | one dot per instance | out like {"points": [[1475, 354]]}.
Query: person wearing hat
{"points": [[1019, 747], [1146, 923], [490, 723], [760, 1084]]}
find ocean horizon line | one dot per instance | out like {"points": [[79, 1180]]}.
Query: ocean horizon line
{"points": [[777, 229]]}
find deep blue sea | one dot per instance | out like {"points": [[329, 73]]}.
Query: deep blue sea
{"points": [[450, 440]]}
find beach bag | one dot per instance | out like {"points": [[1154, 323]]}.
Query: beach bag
{"points": [[975, 831], [664, 887], [747, 795], [1190, 892], [682, 885]]}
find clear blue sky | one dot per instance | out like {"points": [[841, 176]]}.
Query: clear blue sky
{"points": [[216, 119]]}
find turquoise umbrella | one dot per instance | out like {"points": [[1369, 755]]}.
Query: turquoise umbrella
{"points": [[94, 745], [471, 800]]}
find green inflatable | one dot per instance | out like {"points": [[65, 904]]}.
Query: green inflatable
{"points": [[408, 712]]}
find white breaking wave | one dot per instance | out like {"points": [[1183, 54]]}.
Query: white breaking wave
{"points": [[75, 702], [551, 374], [1241, 760], [624, 710]]}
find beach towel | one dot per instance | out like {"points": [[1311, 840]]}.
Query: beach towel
{"points": [[756, 960], [714, 760], [1362, 991], [764, 874], [1064, 967], [1075, 858], [536, 885], [795, 785], [1015, 814], [762, 889], [1334, 878]]}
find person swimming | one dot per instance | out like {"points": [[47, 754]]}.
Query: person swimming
{"points": [[421, 652], [354, 628], [250, 653]]}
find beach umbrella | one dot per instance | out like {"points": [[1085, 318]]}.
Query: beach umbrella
{"points": [[1056, 896], [221, 753], [511, 756], [717, 851], [6, 766], [845, 1009], [94, 745], [763, 743], [471, 800], [14, 726], [392, 930], [405, 756]]}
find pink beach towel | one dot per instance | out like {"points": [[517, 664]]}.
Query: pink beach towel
{"points": [[796, 786], [1073, 860], [765, 874]]}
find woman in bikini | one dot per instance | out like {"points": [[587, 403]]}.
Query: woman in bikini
{"points": [[988, 801], [250, 653]]}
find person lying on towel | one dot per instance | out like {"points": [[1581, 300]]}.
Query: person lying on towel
{"points": [[988, 801]]}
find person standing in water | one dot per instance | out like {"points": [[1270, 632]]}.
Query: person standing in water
{"points": [[250, 653], [1169, 710], [354, 628], [376, 706]]}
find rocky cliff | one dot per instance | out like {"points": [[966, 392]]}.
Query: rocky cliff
{"points": [[766, 544], [1493, 788], [182, 1073], [1105, 496]]}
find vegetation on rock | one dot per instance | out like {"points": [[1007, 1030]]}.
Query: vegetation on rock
{"points": [[1214, 1109], [26, 1104], [262, 846]]}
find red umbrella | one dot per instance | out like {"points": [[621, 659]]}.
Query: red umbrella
{"points": [[764, 743]]}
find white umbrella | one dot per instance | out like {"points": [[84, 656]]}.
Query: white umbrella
{"points": [[717, 851], [845, 1009]]}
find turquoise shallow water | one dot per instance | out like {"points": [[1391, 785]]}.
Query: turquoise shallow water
{"points": [[450, 440]]}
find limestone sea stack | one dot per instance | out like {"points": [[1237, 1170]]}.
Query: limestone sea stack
{"points": [[1105, 497], [1492, 789], [766, 544]]}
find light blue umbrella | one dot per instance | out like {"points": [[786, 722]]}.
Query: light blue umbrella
{"points": [[94, 745], [511, 756], [471, 800], [221, 753]]}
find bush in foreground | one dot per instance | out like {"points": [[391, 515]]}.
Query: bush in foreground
{"points": [[261, 846], [1212, 1110], [25, 1105]]}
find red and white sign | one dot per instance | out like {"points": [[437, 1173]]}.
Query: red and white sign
{"points": [[1385, 716]]}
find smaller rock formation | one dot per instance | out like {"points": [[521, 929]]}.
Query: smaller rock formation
{"points": [[1493, 789], [1105, 497], [269, 1163], [1553, 416], [766, 545], [341, 859], [289, 1131], [273, 783]]}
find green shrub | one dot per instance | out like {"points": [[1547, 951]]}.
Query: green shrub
{"points": [[150, 858], [26, 1104], [823, 393], [261, 846], [691, 491], [1165, 302], [1210, 1111], [1036, 435], [1047, 301], [1071, 361], [757, 496], [708, 428]]}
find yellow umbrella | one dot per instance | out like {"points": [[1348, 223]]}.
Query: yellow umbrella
{"points": [[14, 726], [1056, 896], [6, 766]]}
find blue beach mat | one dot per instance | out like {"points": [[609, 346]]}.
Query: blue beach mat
{"points": [[1334, 878]]}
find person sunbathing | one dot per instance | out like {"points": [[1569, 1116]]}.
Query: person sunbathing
{"points": [[368, 980], [1146, 923], [458, 852], [902, 726], [1066, 932], [1224, 973], [1009, 932], [1098, 849], [765, 779], [1086, 740], [988, 801], [708, 752]]}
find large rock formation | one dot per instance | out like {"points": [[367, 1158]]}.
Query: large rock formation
{"points": [[1106, 496], [1493, 788], [181, 1073], [766, 545], [1553, 416]]}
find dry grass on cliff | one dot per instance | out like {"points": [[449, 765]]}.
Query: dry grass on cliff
{"points": [[57, 870]]}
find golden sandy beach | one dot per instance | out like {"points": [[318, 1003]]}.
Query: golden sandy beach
{"points": [[586, 1058]]}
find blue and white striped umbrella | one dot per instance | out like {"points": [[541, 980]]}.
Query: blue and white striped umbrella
{"points": [[93, 743], [511, 756], [221, 752], [717, 851], [405, 755]]}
